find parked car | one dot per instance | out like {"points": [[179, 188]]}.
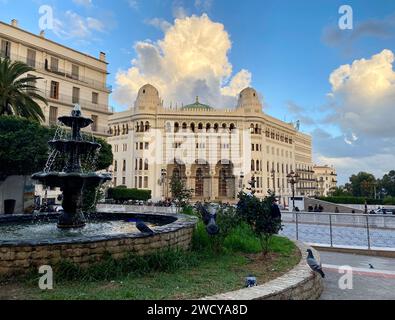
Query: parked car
{"points": [[385, 211]]}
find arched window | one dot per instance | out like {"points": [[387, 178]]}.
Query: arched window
{"points": [[232, 127], [147, 126], [224, 127], [256, 129], [192, 127], [223, 190], [115, 166], [141, 126], [216, 127], [252, 128], [200, 126], [184, 127], [176, 127], [208, 127], [252, 165], [127, 128]]}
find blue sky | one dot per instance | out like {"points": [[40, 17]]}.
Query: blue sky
{"points": [[287, 49]]}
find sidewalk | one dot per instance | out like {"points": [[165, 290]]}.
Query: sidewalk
{"points": [[370, 284]]}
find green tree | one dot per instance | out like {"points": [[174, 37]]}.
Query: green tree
{"points": [[363, 184], [387, 184], [18, 94], [180, 193], [24, 147], [340, 191], [258, 214]]}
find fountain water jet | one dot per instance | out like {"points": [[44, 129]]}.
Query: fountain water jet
{"points": [[72, 180]]}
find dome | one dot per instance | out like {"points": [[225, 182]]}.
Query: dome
{"points": [[147, 98], [197, 106], [249, 98]]}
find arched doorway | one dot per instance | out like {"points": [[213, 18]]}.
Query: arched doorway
{"points": [[201, 180]]}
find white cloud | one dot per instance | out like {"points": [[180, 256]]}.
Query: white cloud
{"points": [[133, 4], [73, 26], [191, 59], [364, 95], [159, 23], [85, 3], [204, 5]]}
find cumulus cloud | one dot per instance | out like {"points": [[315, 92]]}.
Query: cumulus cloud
{"points": [[364, 93], [191, 59]]}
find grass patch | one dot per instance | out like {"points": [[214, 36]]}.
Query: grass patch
{"points": [[166, 275]]}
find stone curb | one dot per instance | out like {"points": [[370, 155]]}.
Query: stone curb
{"points": [[298, 284]]}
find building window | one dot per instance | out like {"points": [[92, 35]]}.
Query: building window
{"points": [[95, 98], [31, 83], [76, 95], [146, 146], [31, 58], [140, 182], [135, 182], [54, 94], [145, 182], [141, 146], [53, 115], [124, 165], [75, 72], [94, 123], [5, 49], [146, 164], [115, 166], [141, 164], [54, 64], [252, 147], [123, 180], [115, 182]]}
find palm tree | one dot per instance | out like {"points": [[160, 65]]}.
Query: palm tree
{"points": [[18, 92]]}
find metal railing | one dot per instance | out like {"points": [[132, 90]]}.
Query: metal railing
{"points": [[340, 229], [59, 71]]}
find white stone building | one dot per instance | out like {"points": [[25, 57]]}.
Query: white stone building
{"points": [[215, 151], [326, 179]]}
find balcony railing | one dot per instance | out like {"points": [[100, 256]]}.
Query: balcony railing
{"points": [[63, 98], [60, 72]]}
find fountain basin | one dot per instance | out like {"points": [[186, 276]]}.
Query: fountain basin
{"points": [[18, 256]]}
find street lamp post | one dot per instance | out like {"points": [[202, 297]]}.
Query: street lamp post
{"points": [[241, 181], [163, 181], [293, 178]]}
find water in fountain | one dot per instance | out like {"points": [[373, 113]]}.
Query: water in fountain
{"points": [[75, 148]]}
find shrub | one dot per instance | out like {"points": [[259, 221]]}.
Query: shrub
{"points": [[258, 214], [124, 194]]}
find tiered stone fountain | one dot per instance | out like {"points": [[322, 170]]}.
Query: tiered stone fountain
{"points": [[72, 180]]}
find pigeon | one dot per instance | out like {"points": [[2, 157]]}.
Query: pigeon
{"points": [[142, 227], [204, 213], [212, 227], [251, 281], [371, 266], [313, 264]]}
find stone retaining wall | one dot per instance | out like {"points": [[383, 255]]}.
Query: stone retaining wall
{"points": [[20, 258], [298, 284]]}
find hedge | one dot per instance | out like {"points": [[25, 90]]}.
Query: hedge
{"points": [[359, 200], [124, 194]]}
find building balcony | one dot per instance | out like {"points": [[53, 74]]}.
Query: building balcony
{"points": [[70, 100], [61, 72]]}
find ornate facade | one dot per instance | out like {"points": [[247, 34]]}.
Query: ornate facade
{"points": [[215, 151]]}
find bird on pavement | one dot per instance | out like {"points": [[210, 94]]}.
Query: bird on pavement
{"points": [[371, 266], [142, 227], [251, 281], [313, 264]]}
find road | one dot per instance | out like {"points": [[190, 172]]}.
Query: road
{"points": [[368, 284]]}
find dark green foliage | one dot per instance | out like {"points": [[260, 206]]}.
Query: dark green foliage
{"points": [[258, 214], [24, 147], [18, 94], [124, 194], [242, 239]]}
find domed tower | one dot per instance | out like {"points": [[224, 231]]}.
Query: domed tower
{"points": [[147, 100], [249, 101]]}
